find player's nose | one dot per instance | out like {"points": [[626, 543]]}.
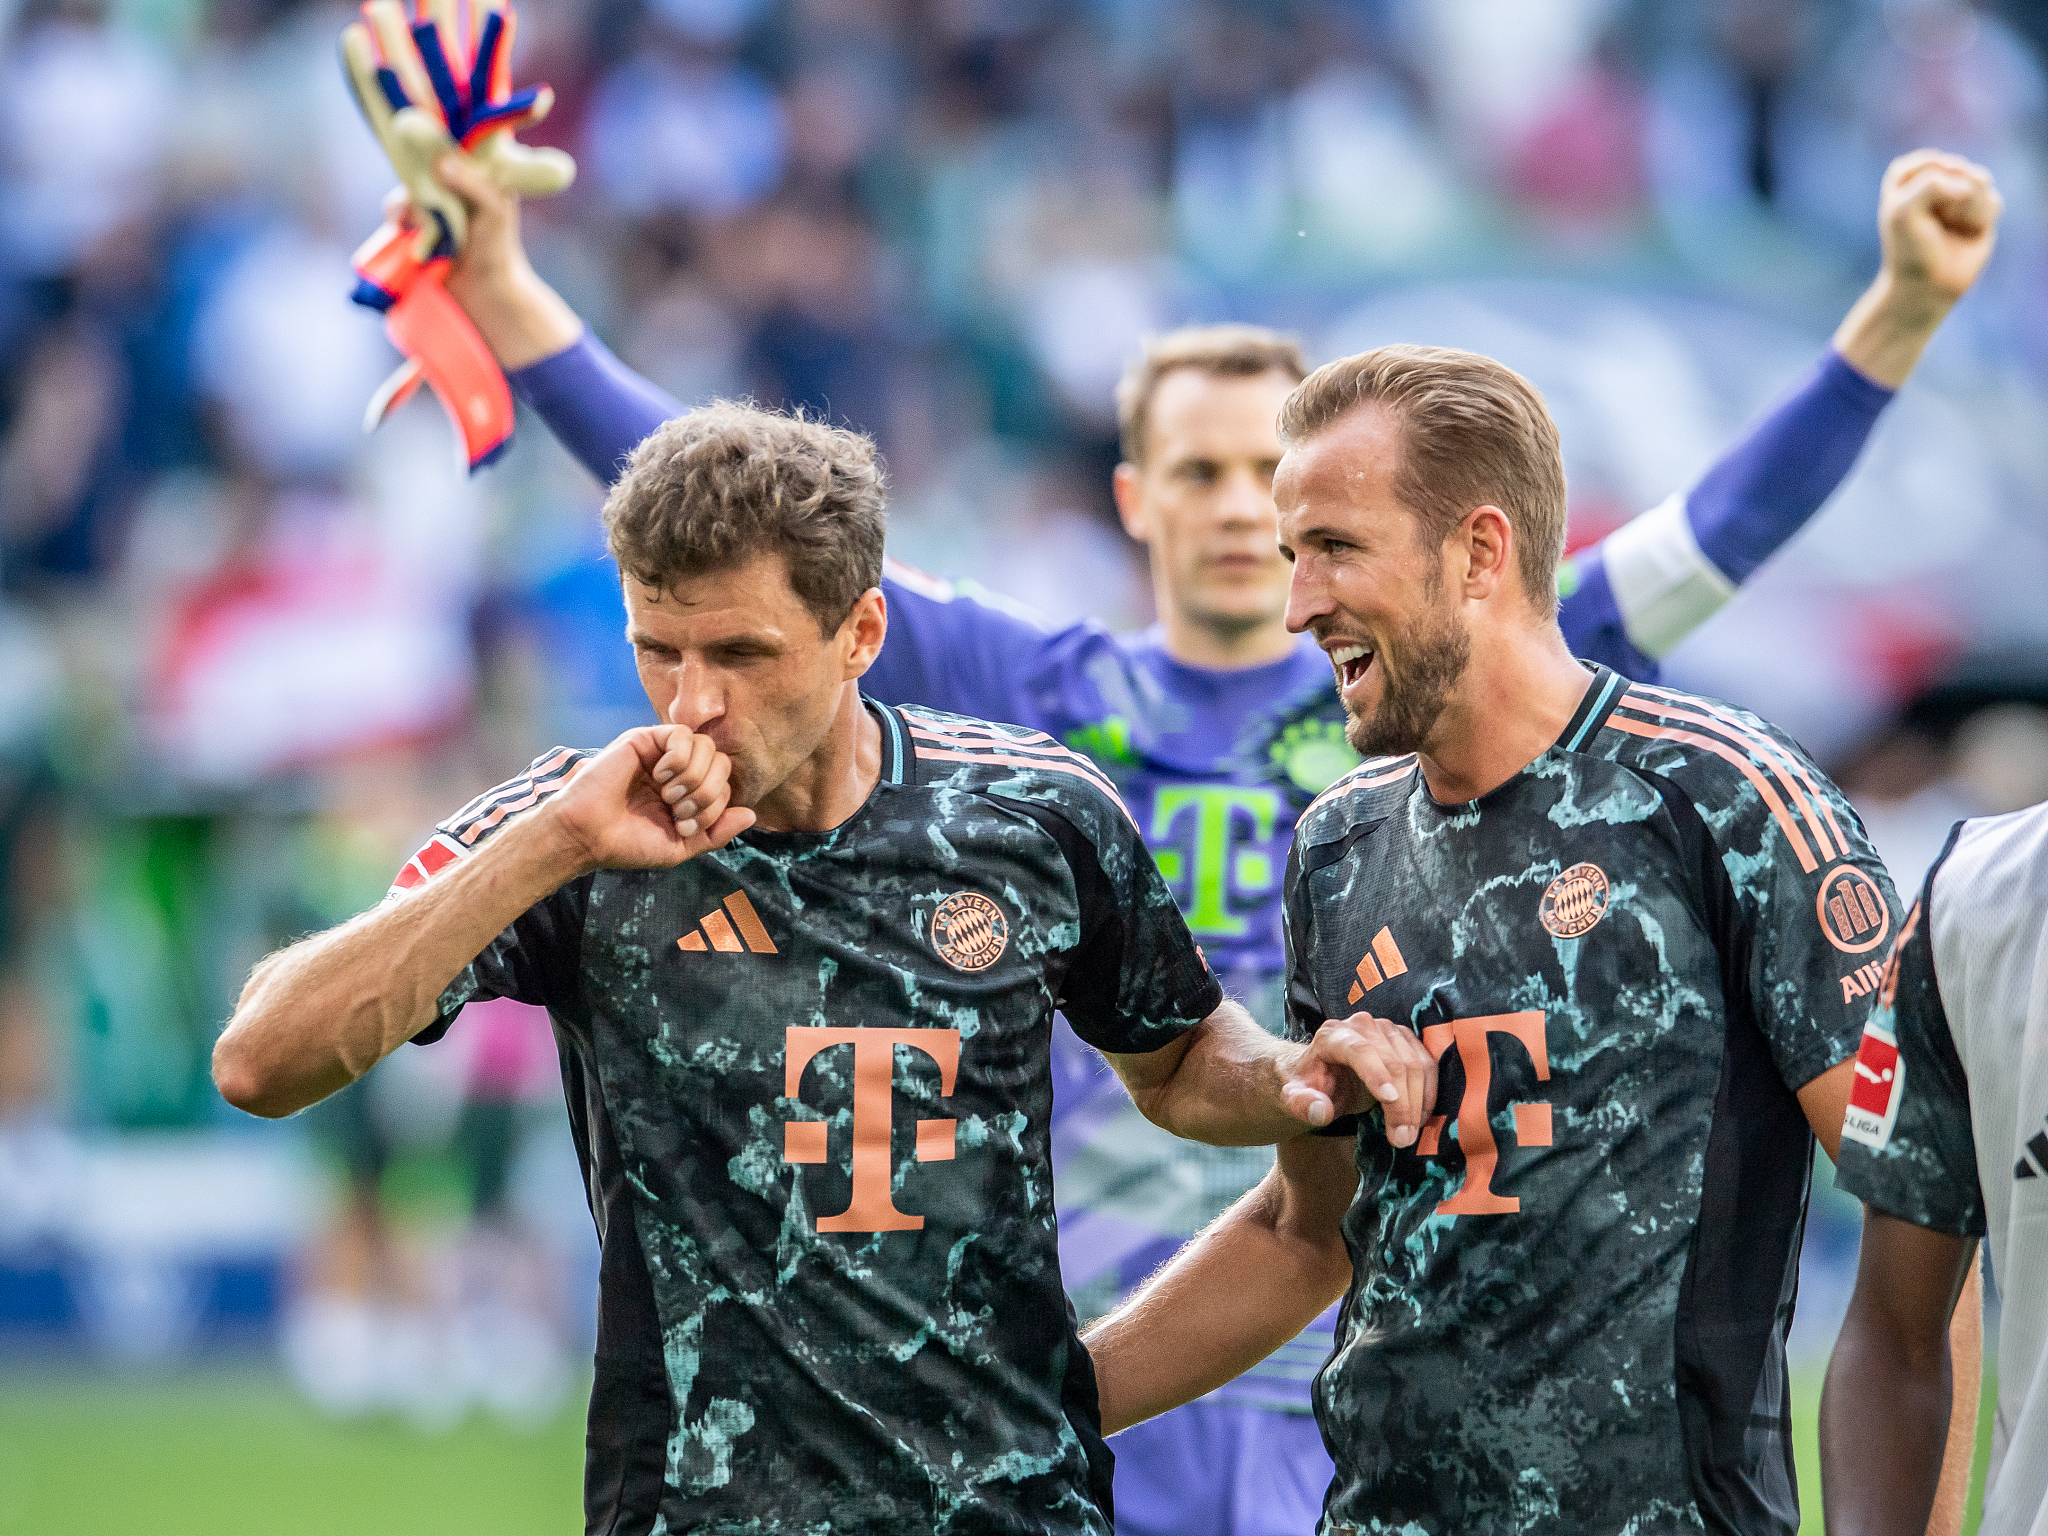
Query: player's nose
{"points": [[1246, 499], [1308, 596], [696, 699]]}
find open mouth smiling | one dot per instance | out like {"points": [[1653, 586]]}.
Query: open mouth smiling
{"points": [[1351, 662]]}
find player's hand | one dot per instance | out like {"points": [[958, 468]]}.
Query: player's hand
{"points": [[657, 796], [1937, 218], [1359, 1061]]}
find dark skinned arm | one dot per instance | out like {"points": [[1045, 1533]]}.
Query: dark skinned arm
{"points": [[1885, 1412]]}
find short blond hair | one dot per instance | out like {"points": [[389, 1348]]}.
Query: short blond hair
{"points": [[710, 490], [1474, 433], [1234, 351]]}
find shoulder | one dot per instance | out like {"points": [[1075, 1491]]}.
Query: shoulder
{"points": [[1994, 873], [489, 813], [1368, 792], [1987, 904], [1010, 761], [1737, 769]]}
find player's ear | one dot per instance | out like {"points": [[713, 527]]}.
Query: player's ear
{"points": [[1126, 486], [860, 637], [1486, 544]]}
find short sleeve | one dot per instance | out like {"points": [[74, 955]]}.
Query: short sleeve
{"points": [[1304, 1013], [535, 960], [1814, 909], [1907, 1148], [1136, 981]]}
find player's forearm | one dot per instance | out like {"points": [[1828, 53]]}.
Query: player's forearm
{"points": [[597, 407], [1261, 1273], [1883, 1419], [316, 1016], [520, 318], [1226, 1088], [1888, 328]]}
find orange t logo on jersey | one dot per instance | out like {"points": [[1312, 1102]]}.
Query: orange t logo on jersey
{"points": [[1475, 1197], [874, 1074]]}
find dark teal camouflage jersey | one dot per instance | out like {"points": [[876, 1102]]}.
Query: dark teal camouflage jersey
{"points": [[1571, 1296], [808, 1080]]}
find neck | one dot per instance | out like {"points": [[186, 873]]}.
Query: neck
{"points": [[835, 780], [1519, 691], [1202, 642]]}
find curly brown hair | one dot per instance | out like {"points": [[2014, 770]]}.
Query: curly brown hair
{"points": [[710, 490]]}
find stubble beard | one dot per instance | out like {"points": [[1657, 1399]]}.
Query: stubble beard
{"points": [[1435, 650]]}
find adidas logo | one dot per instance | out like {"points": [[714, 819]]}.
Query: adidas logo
{"points": [[2038, 1145], [1381, 961], [721, 932]]}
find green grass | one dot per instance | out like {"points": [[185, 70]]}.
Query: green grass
{"points": [[224, 1454], [237, 1454]]}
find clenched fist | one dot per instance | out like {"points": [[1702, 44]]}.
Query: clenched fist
{"points": [[1937, 218], [657, 796]]}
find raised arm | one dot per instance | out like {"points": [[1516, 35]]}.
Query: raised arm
{"points": [[1653, 581], [950, 647], [316, 1016], [1264, 1271]]}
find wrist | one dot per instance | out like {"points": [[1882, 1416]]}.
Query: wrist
{"points": [[546, 851], [521, 319], [1888, 328]]}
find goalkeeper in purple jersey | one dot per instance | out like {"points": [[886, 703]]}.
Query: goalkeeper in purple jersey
{"points": [[1219, 726]]}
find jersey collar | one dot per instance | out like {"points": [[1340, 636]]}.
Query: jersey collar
{"points": [[895, 741], [1594, 708]]}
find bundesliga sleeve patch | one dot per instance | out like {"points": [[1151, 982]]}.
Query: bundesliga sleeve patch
{"points": [[436, 856], [1874, 1097]]}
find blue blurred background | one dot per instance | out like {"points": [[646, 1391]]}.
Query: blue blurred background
{"points": [[247, 655]]}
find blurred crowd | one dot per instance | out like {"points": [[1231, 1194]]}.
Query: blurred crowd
{"points": [[247, 655]]}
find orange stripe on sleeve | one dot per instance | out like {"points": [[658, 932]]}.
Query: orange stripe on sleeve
{"points": [[1727, 753], [1074, 766], [1789, 771], [1343, 787]]}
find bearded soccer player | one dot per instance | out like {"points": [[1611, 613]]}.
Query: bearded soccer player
{"points": [[1618, 917], [1220, 726], [802, 952]]}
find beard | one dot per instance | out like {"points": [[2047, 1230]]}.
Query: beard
{"points": [[1434, 651]]}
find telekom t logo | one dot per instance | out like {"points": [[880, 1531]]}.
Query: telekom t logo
{"points": [[874, 1075], [1475, 1197]]}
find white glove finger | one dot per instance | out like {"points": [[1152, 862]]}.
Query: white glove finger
{"points": [[523, 170], [417, 141]]}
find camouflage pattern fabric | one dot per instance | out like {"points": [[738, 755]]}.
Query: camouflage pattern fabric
{"points": [[808, 1076], [1571, 1296]]}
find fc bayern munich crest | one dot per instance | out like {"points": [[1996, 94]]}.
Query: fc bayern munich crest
{"points": [[969, 931], [1575, 901]]}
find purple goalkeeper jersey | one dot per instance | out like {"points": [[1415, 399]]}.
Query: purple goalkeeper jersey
{"points": [[1215, 766]]}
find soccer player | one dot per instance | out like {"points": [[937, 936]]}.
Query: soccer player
{"points": [[1947, 1141], [1620, 917], [802, 952], [1220, 726]]}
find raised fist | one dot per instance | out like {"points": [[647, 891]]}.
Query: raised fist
{"points": [[1937, 216]]}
